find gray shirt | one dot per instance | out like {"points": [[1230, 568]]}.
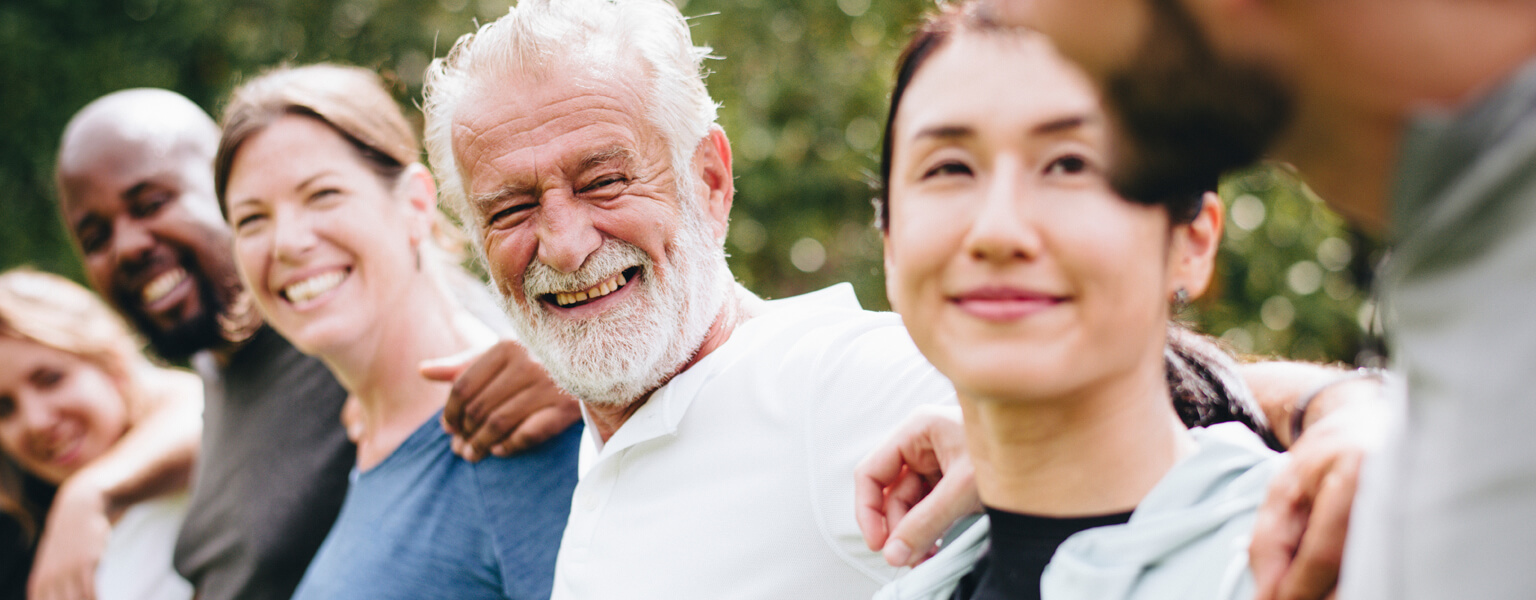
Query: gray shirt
{"points": [[1449, 509], [272, 474]]}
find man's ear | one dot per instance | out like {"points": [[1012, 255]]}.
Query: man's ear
{"points": [[419, 193], [1192, 251], [712, 164]]}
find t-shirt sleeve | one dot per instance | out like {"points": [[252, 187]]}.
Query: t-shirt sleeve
{"points": [[527, 499]]}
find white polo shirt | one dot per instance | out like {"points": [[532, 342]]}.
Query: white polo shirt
{"points": [[735, 480]]}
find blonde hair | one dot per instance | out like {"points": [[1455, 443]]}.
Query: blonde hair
{"points": [[54, 312], [353, 102]]}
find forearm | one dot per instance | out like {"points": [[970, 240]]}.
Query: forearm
{"points": [[1278, 386], [155, 456]]}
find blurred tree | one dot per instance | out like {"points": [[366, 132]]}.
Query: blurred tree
{"points": [[803, 87]]}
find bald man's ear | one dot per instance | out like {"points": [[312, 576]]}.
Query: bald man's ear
{"points": [[712, 164]]}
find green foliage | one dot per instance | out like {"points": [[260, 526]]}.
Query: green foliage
{"points": [[803, 87]]}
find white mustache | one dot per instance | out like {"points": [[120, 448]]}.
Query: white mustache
{"points": [[612, 257]]}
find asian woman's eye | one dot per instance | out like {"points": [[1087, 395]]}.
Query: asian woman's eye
{"points": [[947, 168], [1070, 164]]}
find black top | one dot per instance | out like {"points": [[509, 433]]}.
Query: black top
{"points": [[272, 474], [1021, 547]]}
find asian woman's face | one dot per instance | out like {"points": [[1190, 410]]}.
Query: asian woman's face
{"points": [[1018, 271], [58, 411], [322, 242]]}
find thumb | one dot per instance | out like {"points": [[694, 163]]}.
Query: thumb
{"points": [[448, 368]]}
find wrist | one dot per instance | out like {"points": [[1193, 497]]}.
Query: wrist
{"points": [[83, 493], [1365, 382]]}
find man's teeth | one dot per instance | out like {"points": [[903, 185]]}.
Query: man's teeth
{"points": [[591, 293], [307, 289], [162, 284]]}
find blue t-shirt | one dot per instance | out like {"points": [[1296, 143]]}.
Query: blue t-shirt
{"points": [[425, 523]]}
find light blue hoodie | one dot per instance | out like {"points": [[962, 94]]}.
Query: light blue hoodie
{"points": [[1188, 539]]}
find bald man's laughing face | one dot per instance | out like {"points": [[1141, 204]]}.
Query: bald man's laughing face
{"points": [[147, 223]]}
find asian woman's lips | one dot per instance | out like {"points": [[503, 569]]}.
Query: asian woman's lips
{"points": [[1003, 304]]}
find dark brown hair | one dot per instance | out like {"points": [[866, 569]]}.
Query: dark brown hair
{"points": [[935, 32], [1203, 379]]}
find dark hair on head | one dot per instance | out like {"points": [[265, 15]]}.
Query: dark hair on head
{"points": [[350, 100], [1203, 380], [931, 36], [1206, 386]]}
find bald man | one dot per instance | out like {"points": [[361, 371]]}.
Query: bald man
{"points": [[136, 194]]}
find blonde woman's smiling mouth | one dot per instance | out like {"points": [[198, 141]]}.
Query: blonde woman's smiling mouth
{"points": [[314, 286]]}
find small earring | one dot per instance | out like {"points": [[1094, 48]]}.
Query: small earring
{"points": [[416, 248], [1180, 300]]}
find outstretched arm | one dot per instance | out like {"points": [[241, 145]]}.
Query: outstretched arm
{"points": [[154, 457], [1298, 540]]}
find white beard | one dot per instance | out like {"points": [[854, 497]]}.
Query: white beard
{"points": [[619, 356]]}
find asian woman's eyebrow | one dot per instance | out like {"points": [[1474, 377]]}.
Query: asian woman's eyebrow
{"points": [[946, 132], [1064, 124]]}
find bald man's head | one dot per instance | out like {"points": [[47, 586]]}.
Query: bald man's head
{"points": [[136, 194]]}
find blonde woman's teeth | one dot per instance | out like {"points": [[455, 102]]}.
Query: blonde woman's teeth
{"points": [[162, 284], [310, 288], [592, 293]]}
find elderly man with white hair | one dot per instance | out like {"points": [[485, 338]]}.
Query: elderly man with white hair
{"points": [[578, 143]]}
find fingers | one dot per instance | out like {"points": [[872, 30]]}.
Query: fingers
{"points": [[469, 371], [953, 497], [871, 477], [540, 427], [1314, 573], [1277, 532]]}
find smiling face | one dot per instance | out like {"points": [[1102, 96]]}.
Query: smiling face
{"points": [[57, 410], [144, 214], [1016, 268], [601, 248], [321, 241]]}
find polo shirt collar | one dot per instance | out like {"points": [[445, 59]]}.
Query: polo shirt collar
{"points": [[661, 414]]}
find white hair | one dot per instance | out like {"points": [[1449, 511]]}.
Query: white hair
{"points": [[536, 37]]}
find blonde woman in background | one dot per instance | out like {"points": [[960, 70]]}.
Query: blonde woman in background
{"points": [[73, 382]]}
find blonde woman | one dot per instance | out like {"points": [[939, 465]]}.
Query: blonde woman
{"points": [[73, 383], [333, 222]]}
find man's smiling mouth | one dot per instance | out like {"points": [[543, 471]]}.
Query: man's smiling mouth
{"points": [[601, 289]]}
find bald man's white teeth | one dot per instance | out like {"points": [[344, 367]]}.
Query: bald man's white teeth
{"points": [[608, 286], [311, 287], [161, 285]]}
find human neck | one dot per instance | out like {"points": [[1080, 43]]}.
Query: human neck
{"points": [[1099, 451], [381, 370], [739, 306]]}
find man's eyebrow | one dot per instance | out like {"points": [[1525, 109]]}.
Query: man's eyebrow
{"points": [[88, 220], [605, 155], [137, 190]]}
